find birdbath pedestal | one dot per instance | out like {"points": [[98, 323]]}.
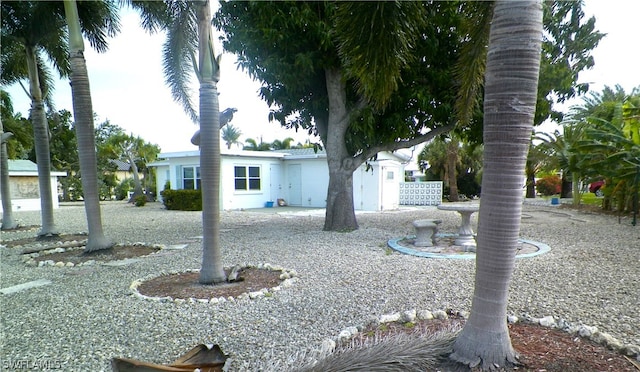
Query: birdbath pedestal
{"points": [[465, 232]]}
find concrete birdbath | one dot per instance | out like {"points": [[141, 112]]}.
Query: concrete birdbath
{"points": [[465, 232]]}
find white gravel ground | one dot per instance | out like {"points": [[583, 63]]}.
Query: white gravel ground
{"points": [[87, 315]]}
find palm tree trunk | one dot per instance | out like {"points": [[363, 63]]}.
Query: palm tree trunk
{"points": [[85, 133], [577, 195], [530, 172], [8, 222], [212, 270], [511, 79], [452, 173], [565, 189], [41, 140], [137, 185]]}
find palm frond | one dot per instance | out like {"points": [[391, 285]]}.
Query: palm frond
{"points": [[469, 70], [99, 20], [47, 82], [154, 15], [178, 51], [375, 40], [12, 60], [56, 47]]}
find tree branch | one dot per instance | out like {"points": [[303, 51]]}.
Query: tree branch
{"points": [[403, 144]]}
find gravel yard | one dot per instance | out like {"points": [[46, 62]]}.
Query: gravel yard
{"points": [[87, 315]]}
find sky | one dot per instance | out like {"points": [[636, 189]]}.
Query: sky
{"points": [[128, 87]]}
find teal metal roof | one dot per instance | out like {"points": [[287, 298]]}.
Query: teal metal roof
{"points": [[22, 166], [28, 168]]}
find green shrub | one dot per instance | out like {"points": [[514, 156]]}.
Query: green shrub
{"points": [[182, 200], [549, 185], [122, 190], [140, 200]]}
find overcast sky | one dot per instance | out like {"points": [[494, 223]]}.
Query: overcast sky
{"points": [[128, 89]]}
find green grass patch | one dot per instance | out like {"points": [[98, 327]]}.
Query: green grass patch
{"points": [[591, 199]]}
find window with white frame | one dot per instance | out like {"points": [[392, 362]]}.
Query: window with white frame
{"points": [[390, 175], [190, 177], [246, 178]]}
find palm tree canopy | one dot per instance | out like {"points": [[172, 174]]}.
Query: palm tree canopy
{"points": [[179, 20], [231, 135], [42, 24]]}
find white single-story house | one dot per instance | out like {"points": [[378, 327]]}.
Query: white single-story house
{"points": [[300, 177], [25, 190]]}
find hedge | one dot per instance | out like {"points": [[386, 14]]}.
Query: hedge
{"points": [[182, 200]]}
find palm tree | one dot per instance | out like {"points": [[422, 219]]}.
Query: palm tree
{"points": [[83, 113], [562, 151], [187, 22], [231, 135], [31, 29], [535, 161], [8, 222], [511, 78], [37, 27], [611, 149], [282, 145], [253, 145]]}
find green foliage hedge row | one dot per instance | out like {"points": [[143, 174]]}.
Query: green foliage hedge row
{"points": [[182, 200]]}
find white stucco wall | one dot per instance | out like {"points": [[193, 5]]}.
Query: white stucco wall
{"points": [[30, 201], [299, 180], [233, 199]]}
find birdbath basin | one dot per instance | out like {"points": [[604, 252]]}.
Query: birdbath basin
{"points": [[465, 232]]}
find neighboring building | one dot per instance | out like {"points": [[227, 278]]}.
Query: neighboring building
{"points": [[123, 170], [25, 190], [300, 177]]}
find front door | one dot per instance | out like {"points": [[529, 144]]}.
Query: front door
{"points": [[275, 184], [295, 184]]}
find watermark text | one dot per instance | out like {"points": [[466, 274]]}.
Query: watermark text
{"points": [[31, 364]]}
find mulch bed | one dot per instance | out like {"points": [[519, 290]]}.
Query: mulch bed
{"points": [[32, 241], [185, 285], [541, 349], [76, 255], [119, 252]]}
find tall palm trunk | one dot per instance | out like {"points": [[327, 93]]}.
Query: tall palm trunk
{"points": [[575, 183], [511, 79], [340, 214], [566, 187], [85, 134], [137, 184], [41, 140], [212, 270], [452, 171], [8, 222], [531, 179]]}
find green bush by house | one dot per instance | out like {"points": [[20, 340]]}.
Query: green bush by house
{"points": [[140, 200], [182, 200]]}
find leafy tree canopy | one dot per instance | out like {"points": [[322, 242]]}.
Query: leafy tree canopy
{"points": [[568, 40], [289, 45]]}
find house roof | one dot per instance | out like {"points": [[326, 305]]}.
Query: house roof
{"points": [[287, 154], [306, 153], [20, 167], [121, 165], [223, 152]]}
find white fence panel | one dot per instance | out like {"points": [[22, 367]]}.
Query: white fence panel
{"points": [[421, 193]]}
